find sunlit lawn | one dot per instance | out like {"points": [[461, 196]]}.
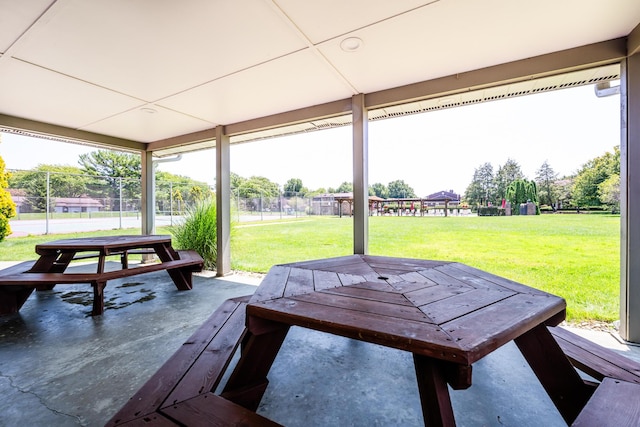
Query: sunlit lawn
{"points": [[574, 256]]}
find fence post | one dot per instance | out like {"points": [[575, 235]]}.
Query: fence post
{"points": [[120, 198], [46, 211]]}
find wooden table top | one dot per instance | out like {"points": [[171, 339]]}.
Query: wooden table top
{"points": [[439, 309], [104, 242]]}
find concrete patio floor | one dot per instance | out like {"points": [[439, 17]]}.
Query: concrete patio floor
{"points": [[61, 367]]}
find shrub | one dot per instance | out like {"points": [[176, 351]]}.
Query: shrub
{"points": [[490, 211], [198, 231], [7, 207]]}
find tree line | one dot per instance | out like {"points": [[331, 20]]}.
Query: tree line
{"points": [[104, 175], [595, 185], [257, 186]]}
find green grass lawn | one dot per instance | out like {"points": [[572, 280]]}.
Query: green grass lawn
{"points": [[574, 256]]}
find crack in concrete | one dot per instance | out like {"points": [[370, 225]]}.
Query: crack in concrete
{"points": [[40, 399]]}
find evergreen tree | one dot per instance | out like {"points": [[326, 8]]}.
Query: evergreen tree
{"points": [[506, 174], [546, 178], [481, 191]]}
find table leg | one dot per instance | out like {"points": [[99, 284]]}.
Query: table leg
{"points": [[11, 300], [559, 378], [248, 382], [182, 278], [52, 263], [45, 263], [98, 298], [434, 392]]}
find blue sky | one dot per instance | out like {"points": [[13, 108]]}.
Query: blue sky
{"points": [[431, 152]]}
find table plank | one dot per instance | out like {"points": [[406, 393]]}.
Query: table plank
{"points": [[471, 274], [325, 280], [323, 263], [381, 286], [458, 305], [350, 279], [300, 281], [407, 264], [426, 295], [419, 337], [272, 286], [375, 293], [442, 278], [484, 330]]}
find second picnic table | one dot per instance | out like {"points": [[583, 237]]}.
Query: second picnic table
{"points": [[19, 281], [447, 314]]}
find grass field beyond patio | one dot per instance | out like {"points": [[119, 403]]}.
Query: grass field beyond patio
{"points": [[574, 256]]}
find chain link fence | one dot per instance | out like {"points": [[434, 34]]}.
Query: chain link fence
{"points": [[54, 202]]}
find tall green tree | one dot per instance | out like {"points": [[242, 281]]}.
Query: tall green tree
{"points": [[293, 187], [258, 186], [380, 190], [178, 186], [522, 191], [546, 179], [505, 175], [399, 189], [7, 207], [481, 191], [64, 181], [609, 191], [345, 187], [591, 175], [114, 169]]}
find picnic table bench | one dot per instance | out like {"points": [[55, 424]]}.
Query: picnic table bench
{"points": [[181, 392], [616, 400], [19, 281]]}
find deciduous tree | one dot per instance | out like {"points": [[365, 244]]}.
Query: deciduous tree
{"points": [[399, 189], [591, 175], [7, 207], [380, 190]]}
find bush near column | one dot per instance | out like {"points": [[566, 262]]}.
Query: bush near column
{"points": [[198, 231]]}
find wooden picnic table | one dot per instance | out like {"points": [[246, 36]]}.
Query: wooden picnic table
{"points": [[19, 281], [448, 315]]}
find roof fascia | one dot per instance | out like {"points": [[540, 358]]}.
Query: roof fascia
{"points": [[183, 140], [525, 69], [48, 131], [302, 115], [633, 41]]}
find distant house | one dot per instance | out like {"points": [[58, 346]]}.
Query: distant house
{"points": [[338, 203], [20, 199], [328, 203], [442, 198], [76, 204]]}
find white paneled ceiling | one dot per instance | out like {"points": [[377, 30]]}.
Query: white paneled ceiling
{"points": [[101, 65]]}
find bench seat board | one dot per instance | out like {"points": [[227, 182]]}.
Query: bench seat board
{"points": [[17, 269], [595, 360], [18, 282], [154, 393], [615, 403], [153, 420], [212, 410]]}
